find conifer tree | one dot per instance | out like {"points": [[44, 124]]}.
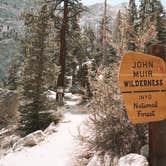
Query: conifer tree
{"points": [[148, 10], [104, 41], [132, 18], [33, 111], [65, 6], [161, 28], [117, 34], [91, 45], [158, 16], [75, 52], [151, 14], [144, 10]]}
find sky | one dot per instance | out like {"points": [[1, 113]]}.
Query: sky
{"points": [[113, 2]]}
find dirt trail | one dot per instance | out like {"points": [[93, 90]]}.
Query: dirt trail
{"points": [[58, 149]]}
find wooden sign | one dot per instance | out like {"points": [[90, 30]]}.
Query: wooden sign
{"points": [[143, 85]]}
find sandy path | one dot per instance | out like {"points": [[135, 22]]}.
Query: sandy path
{"points": [[57, 150]]}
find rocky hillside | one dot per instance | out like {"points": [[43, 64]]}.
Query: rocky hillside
{"points": [[94, 14], [11, 32]]}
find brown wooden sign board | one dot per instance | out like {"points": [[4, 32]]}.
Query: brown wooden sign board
{"points": [[142, 80]]}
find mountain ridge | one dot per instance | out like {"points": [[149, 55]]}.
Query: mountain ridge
{"points": [[93, 16]]}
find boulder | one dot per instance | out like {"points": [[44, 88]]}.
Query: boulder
{"points": [[107, 159], [9, 141], [110, 160], [114, 162], [8, 105], [34, 138], [18, 145], [96, 160], [50, 129], [30, 140], [133, 160], [145, 151], [99, 159]]}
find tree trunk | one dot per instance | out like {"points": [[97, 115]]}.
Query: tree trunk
{"points": [[62, 56]]}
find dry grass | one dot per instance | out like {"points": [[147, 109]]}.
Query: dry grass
{"points": [[110, 129]]}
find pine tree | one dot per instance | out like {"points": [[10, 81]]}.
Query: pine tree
{"points": [[151, 24], [132, 18], [159, 16], [161, 28], [91, 45], [104, 42], [75, 52], [150, 18], [65, 6], [117, 34], [33, 111], [121, 34], [144, 10]]}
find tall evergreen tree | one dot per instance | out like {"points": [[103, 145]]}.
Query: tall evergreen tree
{"points": [[104, 40], [33, 111], [151, 14], [144, 11], [63, 48], [117, 34], [161, 28], [75, 52], [66, 17], [158, 16], [132, 19], [91, 45]]}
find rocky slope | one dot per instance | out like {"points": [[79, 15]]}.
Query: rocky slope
{"points": [[94, 13], [11, 32]]}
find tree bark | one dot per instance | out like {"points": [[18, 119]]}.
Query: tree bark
{"points": [[63, 52], [157, 130]]}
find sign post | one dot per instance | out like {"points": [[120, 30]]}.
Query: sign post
{"points": [[143, 85], [157, 130]]}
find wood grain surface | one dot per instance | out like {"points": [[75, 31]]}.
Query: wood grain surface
{"points": [[142, 80]]}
